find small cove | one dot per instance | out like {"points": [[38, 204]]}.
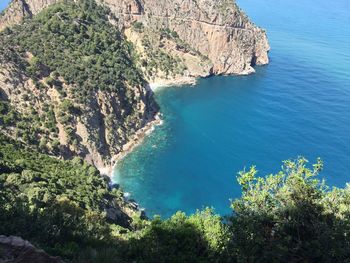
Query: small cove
{"points": [[297, 105]]}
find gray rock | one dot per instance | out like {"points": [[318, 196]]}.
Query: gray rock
{"points": [[14, 249]]}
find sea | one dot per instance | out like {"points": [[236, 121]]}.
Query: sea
{"points": [[298, 105]]}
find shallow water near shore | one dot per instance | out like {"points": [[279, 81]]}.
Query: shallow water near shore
{"points": [[297, 105]]}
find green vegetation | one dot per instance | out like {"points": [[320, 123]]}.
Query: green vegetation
{"points": [[30, 126], [138, 27], [68, 63], [291, 217], [167, 33], [59, 205], [157, 59], [76, 42]]}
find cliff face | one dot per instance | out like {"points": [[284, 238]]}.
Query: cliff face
{"points": [[218, 30], [20, 9], [216, 35], [95, 129]]}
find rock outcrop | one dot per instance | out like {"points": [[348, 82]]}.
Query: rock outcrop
{"points": [[218, 29], [220, 36], [20, 9], [14, 249], [97, 131]]}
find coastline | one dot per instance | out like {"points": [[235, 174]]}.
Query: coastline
{"points": [[179, 81], [140, 135], [135, 141], [130, 205]]}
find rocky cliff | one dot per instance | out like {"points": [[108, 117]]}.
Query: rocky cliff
{"points": [[206, 37], [216, 30], [21, 9], [95, 130]]}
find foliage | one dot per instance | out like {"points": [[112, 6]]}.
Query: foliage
{"points": [[76, 42], [49, 201], [59, 205], [197, 238], [138, 27], [28, 126], [291, 216], [168, 33], [155, 58]]}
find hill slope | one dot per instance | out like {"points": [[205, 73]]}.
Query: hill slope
{"points": [[69, 84], [206, 37]]}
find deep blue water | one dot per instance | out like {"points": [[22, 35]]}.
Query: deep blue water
{"points": [[297, 105]]}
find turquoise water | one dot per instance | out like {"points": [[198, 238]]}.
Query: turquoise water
{"points": [[297, 105]]}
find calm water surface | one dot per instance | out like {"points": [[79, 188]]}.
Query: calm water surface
{"points": [[297, 105]]}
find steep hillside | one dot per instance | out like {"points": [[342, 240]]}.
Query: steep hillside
{"points": [[40, 181], [177, 39], [55, 203], [69, 85]]}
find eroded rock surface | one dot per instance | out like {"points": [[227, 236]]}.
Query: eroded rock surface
{"points": [[14, 249], [222, 37]]}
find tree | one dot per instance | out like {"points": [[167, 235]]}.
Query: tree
{"points": [[287, 217]]}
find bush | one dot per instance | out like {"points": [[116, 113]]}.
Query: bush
{"points": [[290, 217]]}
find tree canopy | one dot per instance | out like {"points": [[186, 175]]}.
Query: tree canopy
{"points": [[74, 41]]}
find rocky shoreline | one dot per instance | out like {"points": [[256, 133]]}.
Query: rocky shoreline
{"points": [[136, 140], [139, 136], [180, 81], [130, 205]]}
